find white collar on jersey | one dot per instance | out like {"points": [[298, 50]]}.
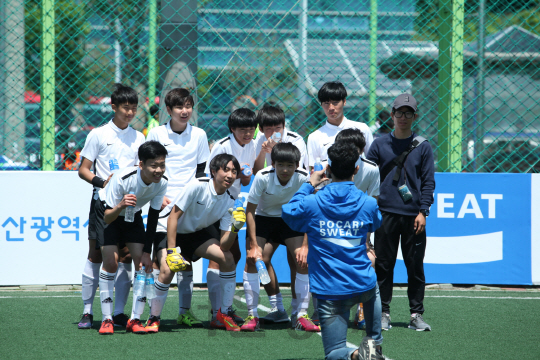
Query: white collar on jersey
{"points": [[116, 128], [170, 130], [235, 143], [340, 127]]}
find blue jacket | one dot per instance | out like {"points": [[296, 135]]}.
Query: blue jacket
{"points": [[336, 220]]}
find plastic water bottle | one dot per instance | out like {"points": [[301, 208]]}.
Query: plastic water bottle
{"points": [[276, 137], [150, 286], [113, 165], [239, 203], [318, 165], [246, 170], [129, 216], [263, 273], [139, 282]]}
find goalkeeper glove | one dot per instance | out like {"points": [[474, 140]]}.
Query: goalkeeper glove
{"points": [[176, 261], [238, 219]]}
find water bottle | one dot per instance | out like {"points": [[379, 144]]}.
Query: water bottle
{"points": [[150, 286], [246, 170], [263, 273], [113, 165], [318, 165], [276, 137], [239, 203], [129, 216], [138, 284]]}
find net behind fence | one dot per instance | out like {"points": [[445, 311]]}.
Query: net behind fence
{"points": [[474, 67]]}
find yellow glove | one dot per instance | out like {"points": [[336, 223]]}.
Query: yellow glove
{"points": [[238, 219], [176, 261]]}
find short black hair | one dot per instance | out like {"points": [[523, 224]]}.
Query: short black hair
{"points": [[242, 118], [154, 109], [270, 115], [151, 150], [332, 91], [285, 152], [124, 95], [343, 157], [354, 136], [221, 161], [178, 97]]}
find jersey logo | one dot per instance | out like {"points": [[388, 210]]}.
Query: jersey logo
{"points": [[200, 203], [167, 144], [267, 193], [326, 144]]}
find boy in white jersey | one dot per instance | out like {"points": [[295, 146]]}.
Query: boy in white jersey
{"points": [[129, 187], [271, 120], [201, 225], [273, 187], [109, 147], [188, 150], [333, 97], [242, 124]]}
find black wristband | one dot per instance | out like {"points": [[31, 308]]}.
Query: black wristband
{"points": [[309, 182], [98, 182]]}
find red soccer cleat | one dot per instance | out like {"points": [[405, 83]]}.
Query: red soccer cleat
{"points": [[251, 324], [107, 327], [135, 326], [304, 323], [228, 321]]}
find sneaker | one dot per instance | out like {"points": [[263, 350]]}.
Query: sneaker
{"points": [[251, 324], [216, 324], [359, 321], [135, 326], [367, 349], [120, 320], [417, 323], [294, 316], [315, 317], [228, 321], [306, 324], [385, 321], [86, 321], [152, 325], [188, 319], [232, 313], [276, 316], [107, 327]]}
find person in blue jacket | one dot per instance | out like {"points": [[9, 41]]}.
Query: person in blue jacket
{"points": [[337, 219]]}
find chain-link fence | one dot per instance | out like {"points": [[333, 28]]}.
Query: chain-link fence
{"points": [[474, 66]]}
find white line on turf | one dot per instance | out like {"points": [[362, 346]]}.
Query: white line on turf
{"points": [[264, 308], [69, 296]]}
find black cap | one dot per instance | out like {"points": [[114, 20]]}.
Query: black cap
{"points": [[405, 100]]}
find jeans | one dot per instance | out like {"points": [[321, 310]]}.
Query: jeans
{"points": [[334, 317]]}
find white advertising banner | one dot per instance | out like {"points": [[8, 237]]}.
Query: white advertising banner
{"points": [[44, 227]]}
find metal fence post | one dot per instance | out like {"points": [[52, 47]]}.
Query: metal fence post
{"points": [[47, 85], [373, 64], [152, 51]]}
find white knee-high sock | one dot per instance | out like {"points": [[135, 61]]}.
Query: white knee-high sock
{"points": [[155, 272], [122, 284], [302, 293], [214, 290], [90, 282], [227, 282], [159, 301], [185, 290], [138, 306], [106, 290], [252, 288], [276, 301]]}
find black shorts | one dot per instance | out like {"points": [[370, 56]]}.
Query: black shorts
{"points": [[119, 232], [274, 229], [92, 218], [190, 242]]}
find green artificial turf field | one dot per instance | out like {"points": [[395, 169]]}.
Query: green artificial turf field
{"points": [[466, 325]]}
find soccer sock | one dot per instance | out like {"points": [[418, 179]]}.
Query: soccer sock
{"points": [[138, 306], [159, 301], [185, 290], [155, 272], [294, 305], [214, 291], [90, 282], [273, 301], [279, 302], [106, 289], [252, 288], [122, 284], [227, 281], [302, 293]]}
